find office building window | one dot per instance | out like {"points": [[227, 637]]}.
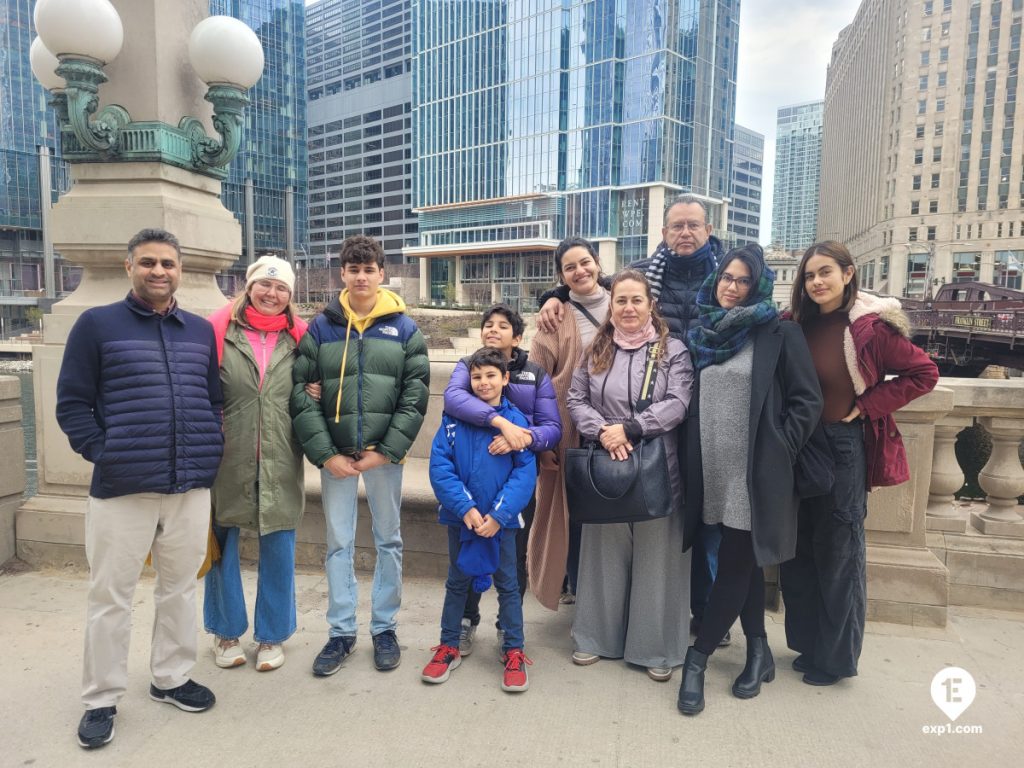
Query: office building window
{"points": [[915, 207], [933, 206]]}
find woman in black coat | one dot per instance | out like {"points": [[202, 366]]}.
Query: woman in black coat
{"points": [[756, 402]]}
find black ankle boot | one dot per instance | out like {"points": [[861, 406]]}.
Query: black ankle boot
{"points": [[691, 690], [760, 668]]}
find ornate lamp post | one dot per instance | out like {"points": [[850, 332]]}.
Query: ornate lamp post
{"points": [[150, 97], [83, 36]]}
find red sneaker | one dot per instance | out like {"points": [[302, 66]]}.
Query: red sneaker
{"points": [[515, 679], [446, 658]]}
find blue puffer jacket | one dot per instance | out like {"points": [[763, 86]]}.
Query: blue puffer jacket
{"points": [[464, 475], [139, 396], [529, 388]]}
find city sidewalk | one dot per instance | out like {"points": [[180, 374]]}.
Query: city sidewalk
{"points": [[607, 714]]}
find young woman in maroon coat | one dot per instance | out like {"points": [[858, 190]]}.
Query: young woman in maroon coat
{"points": [[856, 340]]}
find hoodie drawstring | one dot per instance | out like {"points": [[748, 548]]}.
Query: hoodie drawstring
{"points": [[341, 375]]}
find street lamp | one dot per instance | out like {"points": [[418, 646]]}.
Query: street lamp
{"points": [[83, 36]]}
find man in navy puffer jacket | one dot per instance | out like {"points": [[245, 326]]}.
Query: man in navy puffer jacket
{"points": [[139, 396]]}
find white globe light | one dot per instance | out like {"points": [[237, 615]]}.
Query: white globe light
{"points": [[225, 50], [89, 28], [43, 65]]}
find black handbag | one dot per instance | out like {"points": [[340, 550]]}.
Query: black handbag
{"points": [[602, 490], [815, 469]]}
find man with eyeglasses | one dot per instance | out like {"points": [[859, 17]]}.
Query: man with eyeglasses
{"points": [[686, 255]]}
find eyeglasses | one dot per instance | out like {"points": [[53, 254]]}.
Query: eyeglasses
{"points": [[741, 282], [693, 226]]}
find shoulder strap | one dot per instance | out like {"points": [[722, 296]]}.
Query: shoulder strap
{"points": [[650, 376], [583, 310]]}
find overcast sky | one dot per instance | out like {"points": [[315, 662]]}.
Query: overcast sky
{"points": [[785, 47]]}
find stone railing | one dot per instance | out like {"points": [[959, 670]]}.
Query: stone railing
{"points": [[12, 462], [981, 544]]}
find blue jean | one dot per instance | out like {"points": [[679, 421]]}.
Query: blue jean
{"points": [[224, 602], [510, 604], [384, 494], [703, 567]]}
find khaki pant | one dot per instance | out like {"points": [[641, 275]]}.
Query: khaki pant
{"points": [[119, 532]]}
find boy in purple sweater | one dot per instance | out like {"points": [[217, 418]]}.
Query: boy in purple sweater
{"points": [[530, 390]]}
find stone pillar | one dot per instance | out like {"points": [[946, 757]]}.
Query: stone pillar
{"points": [[457, 266], [424, 281], [1002, 479], [91, 225], [607, 254], [907, 583], [12, 462], [947, 478], [657, 197]]}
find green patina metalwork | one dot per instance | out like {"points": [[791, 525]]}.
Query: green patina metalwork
{"points": [[112, 134]]}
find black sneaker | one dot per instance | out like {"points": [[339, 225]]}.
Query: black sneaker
{"points": [[190, 696], [386, 653], [96, 727], [330, 657]]}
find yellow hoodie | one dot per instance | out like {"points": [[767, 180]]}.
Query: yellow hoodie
{"points": [[388, 303]]}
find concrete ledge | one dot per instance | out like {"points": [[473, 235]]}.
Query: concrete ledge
{"points": [[984, 570]]}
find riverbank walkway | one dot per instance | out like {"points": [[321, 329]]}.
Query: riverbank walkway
{"points": [[607, 714]]}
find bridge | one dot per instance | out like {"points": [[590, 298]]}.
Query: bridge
{"points": [[969, 326]]}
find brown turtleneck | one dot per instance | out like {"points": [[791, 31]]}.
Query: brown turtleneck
{"points": [[824, 334]]}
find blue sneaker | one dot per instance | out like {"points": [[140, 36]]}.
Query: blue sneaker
{"points": [[332, 655], [386, 653], [96, 727]]}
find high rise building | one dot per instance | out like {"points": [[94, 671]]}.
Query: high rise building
{"points": [[272, 159], [534, 121], [26, 124], [747, 176], [359, 83], [797, 175], [933, 192]]}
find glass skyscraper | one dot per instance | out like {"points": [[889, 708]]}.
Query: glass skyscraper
{"points": [[26, 123], [538, 119], [359, 81], [797, 175], [273, 151], [747, 178]]}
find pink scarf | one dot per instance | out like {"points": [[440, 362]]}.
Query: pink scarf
{"points": [[634, 339]]}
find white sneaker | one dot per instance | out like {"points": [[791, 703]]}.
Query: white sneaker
{"points": [[227, 652], [659, 674], [269, 656], [584, 659]]}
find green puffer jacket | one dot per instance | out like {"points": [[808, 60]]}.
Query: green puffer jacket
{"points": [[380, 401], [258, 417]]}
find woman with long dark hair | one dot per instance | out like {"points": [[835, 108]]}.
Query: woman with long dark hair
{"points": [[756, 402], [633, 593], [553, 548], [856, 340]]}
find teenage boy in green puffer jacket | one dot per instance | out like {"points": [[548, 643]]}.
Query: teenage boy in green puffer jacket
{"points": [[371, 360]]}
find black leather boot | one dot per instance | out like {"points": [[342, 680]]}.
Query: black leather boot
{"points": [[691, 690], [760, 668]]}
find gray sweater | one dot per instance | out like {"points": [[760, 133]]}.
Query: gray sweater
{"points": [[725, 439]]}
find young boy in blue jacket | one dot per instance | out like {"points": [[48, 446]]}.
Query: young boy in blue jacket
{"points": [[529, 389], [482, 494]]}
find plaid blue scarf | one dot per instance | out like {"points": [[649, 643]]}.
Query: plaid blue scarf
{"points": [[723, 332]]}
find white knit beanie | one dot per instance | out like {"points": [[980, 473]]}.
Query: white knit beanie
{"points": [[270, 267]]}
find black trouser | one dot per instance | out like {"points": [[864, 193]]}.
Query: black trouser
{"points": [[472, 611], [825, 585], [738, 590]]}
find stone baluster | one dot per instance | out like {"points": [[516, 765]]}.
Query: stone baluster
{"points": [[947, 478], [1002, 479]]}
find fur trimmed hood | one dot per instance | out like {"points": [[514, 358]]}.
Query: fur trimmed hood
{"points": [[887, 308]]}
